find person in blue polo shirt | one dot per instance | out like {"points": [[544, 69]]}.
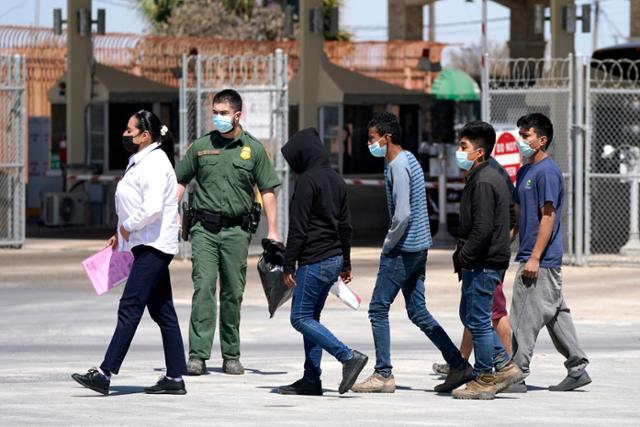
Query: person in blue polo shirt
{"points": [[537, 292]]}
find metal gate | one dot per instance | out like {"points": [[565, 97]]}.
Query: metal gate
{"points": [[262, 81], [612, 162], [515, 87], [12, 147]]}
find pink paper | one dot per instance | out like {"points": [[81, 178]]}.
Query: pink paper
{"points": [[107, 268]]}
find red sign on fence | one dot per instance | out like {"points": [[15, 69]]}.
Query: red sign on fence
{"points": [[506, 152]]}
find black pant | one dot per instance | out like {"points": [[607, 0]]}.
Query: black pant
{"points": [[149, 285]]}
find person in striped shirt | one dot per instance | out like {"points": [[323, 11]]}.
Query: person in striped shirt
{"points": [[403, 259]]}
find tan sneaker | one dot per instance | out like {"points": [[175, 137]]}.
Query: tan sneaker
{"points": [[510, 374], [482, 388], [376, 383]]}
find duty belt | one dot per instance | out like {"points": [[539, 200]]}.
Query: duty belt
{"points": [[214, 222]]}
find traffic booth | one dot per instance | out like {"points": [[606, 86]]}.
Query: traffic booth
{"points": [[87, 192]]}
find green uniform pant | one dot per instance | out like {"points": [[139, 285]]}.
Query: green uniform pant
{"points": [[225, 252]]}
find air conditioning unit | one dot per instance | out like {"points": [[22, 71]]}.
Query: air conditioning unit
{"points": [[64, 209]]}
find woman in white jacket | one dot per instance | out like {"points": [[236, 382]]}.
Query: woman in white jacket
{"points": [[147, 210]]}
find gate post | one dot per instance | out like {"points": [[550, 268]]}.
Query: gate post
{"points": [[578, 133], [12, 155], [282, 130], [484, 103]]}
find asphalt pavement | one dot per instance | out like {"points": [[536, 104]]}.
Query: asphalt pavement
{"points": [[52, 324]]}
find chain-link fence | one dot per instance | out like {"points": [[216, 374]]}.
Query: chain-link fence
{"points": [[516, 87], [612, 162], [12, 146], [262, 81]]}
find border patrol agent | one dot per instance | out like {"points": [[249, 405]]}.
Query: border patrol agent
{"points": [[227, 163]]}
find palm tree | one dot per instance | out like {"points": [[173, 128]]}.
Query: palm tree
{"points": [[328, 5], [158, 14], [157, 11]]}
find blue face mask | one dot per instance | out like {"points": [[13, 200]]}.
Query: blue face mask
{"points": [[376, 150], [525, 149], [462, 160], [224, 124]]}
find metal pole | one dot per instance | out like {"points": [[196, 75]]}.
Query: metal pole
{"points": [[183, 108], [579, 160], [484, 28], [282, 114], [596, 22], [570, 178], [23, 124], [199, 129], [484, 65], [432, 21], [587, 159]]}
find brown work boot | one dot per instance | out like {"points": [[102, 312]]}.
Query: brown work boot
{"points": [[482, 388], [510, 374], [376, 383]]}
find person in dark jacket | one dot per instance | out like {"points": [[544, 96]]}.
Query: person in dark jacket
{"points": [[319, 241], [499, 314], [481, 258]]}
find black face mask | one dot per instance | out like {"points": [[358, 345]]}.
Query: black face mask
{"points": [[129, 146]]}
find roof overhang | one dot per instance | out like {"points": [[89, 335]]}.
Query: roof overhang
{"points": [[113, 85]]}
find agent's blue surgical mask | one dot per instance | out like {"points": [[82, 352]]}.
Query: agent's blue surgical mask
{"points": [[224, 124]]}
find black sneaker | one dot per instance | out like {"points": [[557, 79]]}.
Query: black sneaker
{"points": [[351, 369], [94, 380], [166, 386], [572, 381], [196, 366], [455, 378], [232, 367], [302, 387]]}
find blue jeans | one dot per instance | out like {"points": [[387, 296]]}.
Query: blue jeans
{"points": [[478, 286], [405, 271], [313, 282]]}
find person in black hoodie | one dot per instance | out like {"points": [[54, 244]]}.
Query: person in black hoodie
{"points": [[481, 258], [319, 241]]}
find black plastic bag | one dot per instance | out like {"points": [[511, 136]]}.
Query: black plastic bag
{"points": [[270, 269]]}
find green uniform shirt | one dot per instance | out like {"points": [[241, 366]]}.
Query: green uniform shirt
{"points": [[226, 172]]}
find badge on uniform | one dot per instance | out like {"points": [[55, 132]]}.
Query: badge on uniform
{"points": [[245, 153]]}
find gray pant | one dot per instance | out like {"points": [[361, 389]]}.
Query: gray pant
{"points": [[536, 306]]}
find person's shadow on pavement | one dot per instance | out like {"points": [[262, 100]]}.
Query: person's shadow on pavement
{"points": [[121, 390], [116, 390], [274, 390]]}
